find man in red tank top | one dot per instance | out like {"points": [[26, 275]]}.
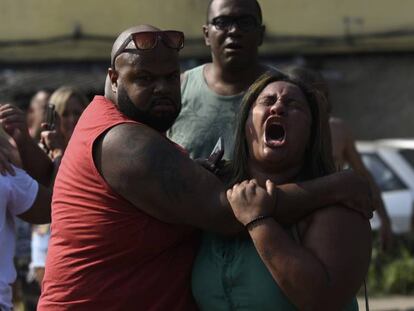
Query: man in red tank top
{"points": [[126, 199]]}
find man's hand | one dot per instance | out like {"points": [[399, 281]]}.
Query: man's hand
{"points": [[14, 123], [249, 201], [357, 193]]}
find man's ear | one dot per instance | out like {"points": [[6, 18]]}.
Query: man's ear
{"points": [[205, 33], [113, 77], [262, 31]]}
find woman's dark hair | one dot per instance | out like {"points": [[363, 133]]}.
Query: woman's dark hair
{"points": [[314, 79], [318, 156]]}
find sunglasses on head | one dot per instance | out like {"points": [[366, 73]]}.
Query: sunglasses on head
{"points": [[244, 23], [147, 40]]}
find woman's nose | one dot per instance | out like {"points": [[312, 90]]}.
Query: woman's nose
{"points": [[278, 109]]}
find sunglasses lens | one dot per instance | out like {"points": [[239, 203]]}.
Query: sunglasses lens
{"points": [[145, 40], [173, 39]]}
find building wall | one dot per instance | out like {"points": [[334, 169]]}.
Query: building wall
{"points": [[44, 30], [373, 93]]}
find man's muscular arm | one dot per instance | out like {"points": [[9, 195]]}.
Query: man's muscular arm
{"points": [[151, 173], [296, 200]]}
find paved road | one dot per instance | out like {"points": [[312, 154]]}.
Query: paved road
{"points": [[394, 303]]}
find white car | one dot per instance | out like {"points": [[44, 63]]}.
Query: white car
{"points": [[391, 163]]}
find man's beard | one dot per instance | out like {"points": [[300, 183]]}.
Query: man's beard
{"points": [[158, 123]]}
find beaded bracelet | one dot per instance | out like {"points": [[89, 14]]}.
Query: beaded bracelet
{"points": [[253, 223]]}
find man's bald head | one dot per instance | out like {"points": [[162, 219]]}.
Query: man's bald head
{"points": [[125, 34], [145, 83]]}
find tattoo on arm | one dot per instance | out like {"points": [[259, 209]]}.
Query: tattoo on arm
{"points": [[166, 166]]}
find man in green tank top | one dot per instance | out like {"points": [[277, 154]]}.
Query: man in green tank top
{"points": [[211, 93]]}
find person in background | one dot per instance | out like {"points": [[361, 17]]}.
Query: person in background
{"points": [[20, 196], [212, 92], [36, 113], [344, 150], [69, 104]]}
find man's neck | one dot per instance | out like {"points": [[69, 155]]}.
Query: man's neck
{"points": [[228, 81]]}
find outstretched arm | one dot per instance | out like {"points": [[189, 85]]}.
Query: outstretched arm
{"points": [[34, 160]]}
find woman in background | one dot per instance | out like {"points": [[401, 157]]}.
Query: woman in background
{"points": [[69, 104]]}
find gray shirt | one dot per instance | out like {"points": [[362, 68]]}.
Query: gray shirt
{"points": [[205, 116]]}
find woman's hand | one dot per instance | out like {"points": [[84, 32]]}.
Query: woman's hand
{"points": [[52, 140], [249, 200]]}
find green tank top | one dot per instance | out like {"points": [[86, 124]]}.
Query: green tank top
{"points": [[204, 117], [228, 274]]}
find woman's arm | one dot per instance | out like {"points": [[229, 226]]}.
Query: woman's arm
{"points": [[34, 160], [327, 269]]}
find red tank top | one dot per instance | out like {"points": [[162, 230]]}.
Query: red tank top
{"points": [[104, 253]]}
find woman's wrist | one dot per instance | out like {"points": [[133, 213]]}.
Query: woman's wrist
{"points": [[257, 221]]}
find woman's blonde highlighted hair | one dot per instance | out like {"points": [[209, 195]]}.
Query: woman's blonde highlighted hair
{"points": [[60, 98]]}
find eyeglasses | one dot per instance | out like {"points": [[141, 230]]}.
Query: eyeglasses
{"points": [[244, 23], [147, 40]]}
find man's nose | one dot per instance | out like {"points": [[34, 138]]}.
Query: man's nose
{"points": [[161, 86], [233, 28]]}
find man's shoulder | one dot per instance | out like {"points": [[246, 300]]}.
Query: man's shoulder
{"points": [[122, 135], [197, 68], [134, 141], [191, 73]]}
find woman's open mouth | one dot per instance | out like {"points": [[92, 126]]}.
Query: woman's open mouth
{"points": [[275, 134]]}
